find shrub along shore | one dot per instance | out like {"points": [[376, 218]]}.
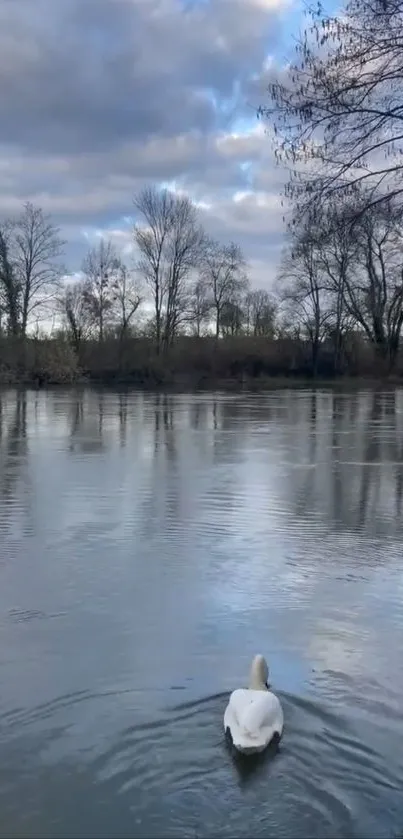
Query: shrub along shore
{"points": [[193, 363]]}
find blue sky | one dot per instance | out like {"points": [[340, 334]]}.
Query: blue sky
{"points": [[99, 97]]}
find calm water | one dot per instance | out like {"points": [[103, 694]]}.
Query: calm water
{"points": [[149, 546]]}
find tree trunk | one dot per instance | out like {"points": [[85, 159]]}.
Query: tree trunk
{"points": [[217, 323]]}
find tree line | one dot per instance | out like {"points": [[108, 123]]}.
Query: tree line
{"points": [[336, 280], [189, 282]]}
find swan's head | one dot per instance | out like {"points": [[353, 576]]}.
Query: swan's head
{"points": [[259, 674]]}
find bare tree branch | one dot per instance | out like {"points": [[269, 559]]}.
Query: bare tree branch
{"points": [[340, 107], [127, 298]]}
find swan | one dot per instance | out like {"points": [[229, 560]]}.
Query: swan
{"points": [[254, 716]]}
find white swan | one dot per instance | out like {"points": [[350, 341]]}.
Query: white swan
{"points": [[254, 716]]}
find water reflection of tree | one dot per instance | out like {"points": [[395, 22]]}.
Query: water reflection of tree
{"points": [[391, 410], [305, 496], [76, 413], [198, 414], [383, 447], [86, 412], [122, 413], [357, 468], [178, 457], [160, 499], [370, 476], [14, 452], [340, 407], [164, 426], [312, 445], [231, 421]]}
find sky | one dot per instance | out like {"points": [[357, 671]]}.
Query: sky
{"points": [[100, 97]]}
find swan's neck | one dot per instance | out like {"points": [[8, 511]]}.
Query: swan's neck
{"points": [[257, 684], [259, 674]]}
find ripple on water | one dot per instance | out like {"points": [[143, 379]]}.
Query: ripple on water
{"points": [[149, 545], [182, 762]]}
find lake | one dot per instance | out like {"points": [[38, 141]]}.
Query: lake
{"points": [[150, 544]]}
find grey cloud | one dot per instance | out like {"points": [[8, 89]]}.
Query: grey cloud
{"points": [[87, 74], [257, 227], [88, 187], [99, 97]]}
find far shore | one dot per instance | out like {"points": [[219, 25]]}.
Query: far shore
{"points": [[188, 384], [234, 364]]}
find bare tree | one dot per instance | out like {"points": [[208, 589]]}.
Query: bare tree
{"points": [[151, 241], [223, 269], [232, 318], [260, 313], [337, 250], [184, 253], [199, 306], [340, 105], [345, 272], [373, 285], [127, 298], [303, 292], [35, 250], [73, 308], [170, 243], [100, 268]]}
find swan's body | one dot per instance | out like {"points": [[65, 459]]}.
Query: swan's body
{"points": [[254, 716]]}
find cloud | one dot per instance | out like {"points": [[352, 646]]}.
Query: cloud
{"points": [[99, 97]]}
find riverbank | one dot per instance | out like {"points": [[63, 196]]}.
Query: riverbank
{"points": [[185, 384], [240, 363], [189, 385]]}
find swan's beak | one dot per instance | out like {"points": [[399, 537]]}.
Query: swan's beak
{"points": [[267, 685]]}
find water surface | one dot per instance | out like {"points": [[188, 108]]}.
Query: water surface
{"points": [[149, 546]]}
